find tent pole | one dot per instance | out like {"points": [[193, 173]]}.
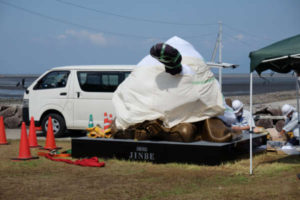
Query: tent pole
{"points": [[297, 95], [251, 125]]}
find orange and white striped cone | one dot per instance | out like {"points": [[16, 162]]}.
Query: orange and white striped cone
{"points": [[110, 119], [106, 121]]}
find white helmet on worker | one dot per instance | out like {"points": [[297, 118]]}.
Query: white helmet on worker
{"points": [[287, 109], [237, 105]]}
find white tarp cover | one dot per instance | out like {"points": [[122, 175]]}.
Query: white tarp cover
{"points": [[150, 93]]}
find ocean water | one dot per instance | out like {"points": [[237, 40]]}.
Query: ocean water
{"points": [[9, 88], [240, 85], [231, 84]]}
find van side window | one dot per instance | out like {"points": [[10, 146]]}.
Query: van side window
{"points": [[54, 79], [100, 81]]}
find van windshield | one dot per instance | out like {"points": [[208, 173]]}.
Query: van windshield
{"points": [[95, 81], [54, 79]]}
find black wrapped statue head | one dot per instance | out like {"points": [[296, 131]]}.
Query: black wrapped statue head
{"points": [[168, 56]]}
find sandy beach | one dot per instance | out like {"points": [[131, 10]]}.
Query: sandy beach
{"points": [[273, 99]]}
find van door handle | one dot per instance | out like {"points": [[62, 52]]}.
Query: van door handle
{"points": [[78, 94], [63, 94]]}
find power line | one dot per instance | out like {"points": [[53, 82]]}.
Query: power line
{"points": [[70, 23], [88, 27], [242, 42], [247, 33], [198, 36], [130, 17]]}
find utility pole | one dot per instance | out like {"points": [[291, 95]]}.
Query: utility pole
{"points": [[218, 44], [220, 53]]}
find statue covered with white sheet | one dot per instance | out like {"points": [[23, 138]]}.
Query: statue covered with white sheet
{"points": [[171, 95]]}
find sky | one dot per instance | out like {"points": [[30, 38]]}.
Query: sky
{"points": [[36, 35]]}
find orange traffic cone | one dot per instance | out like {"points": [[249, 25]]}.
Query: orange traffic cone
{"points": [[32, 134], [106, 121], [50, 140], [2, 132], [24, 151]]}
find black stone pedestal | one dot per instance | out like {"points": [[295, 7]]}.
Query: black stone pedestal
{"points": [[200, 152]]}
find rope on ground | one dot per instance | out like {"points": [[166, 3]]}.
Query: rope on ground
{"points": [[87, 162]]}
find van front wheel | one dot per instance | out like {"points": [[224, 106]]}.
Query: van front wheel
{"points": [[58, 122]]}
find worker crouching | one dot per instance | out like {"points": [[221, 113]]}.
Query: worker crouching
{"points": [[290, 131]]}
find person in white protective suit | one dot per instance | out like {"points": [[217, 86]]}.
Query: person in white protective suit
{"points": [[228, 117], [243, 117], [291, 122]]}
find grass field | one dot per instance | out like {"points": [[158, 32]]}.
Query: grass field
{"points": [[275, 177]]}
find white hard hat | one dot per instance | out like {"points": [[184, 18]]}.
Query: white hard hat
{"points": [[237, 105], [287, 109]]}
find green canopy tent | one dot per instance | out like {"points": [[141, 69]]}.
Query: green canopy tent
{"points": [[281, 57]]}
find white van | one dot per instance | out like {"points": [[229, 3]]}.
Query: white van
{"points": [[71, 94]]}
